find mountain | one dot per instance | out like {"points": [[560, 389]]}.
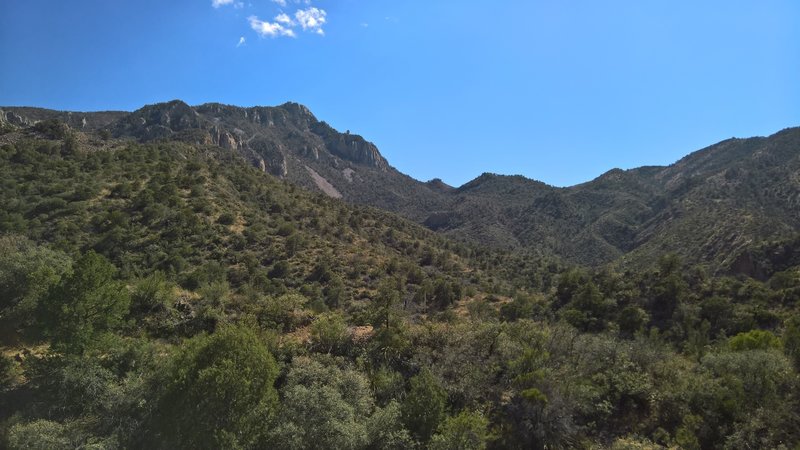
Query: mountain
{"points": [[166, 283], [709, 207]]}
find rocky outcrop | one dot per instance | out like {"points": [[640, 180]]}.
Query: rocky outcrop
{"points": [[159, 121], [357, 150], [14, 119], [323, 184]]}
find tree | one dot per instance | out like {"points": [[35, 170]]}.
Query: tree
{"points": [[39, 435], [329, 332], [668, 291], [324, 406], [754, 340], [384, 304], [423, 408], [86, 302], [27, 272], [219, 392], [791, 340], [466, 431]]}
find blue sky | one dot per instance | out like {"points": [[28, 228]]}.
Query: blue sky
{"points": [[558, 91]]}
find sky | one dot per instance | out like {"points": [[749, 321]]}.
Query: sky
{"points": [[559, 91]]}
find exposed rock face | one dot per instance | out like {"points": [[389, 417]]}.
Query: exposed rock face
{"points": [[226, 140], [358, 150], [25, 116], [350, 147], [288, 129], [14, 119]]}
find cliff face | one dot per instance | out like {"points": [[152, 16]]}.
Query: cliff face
{"points": [[261, 133]]}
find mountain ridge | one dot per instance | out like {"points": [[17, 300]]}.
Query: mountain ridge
{"points": [[708, 206]]}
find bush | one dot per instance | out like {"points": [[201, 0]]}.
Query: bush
{"points": [[226, 219], [220, 393], [86, 302], [754, 340], [466, 431], [423, 407]]}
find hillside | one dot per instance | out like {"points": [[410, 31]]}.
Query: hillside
{"points": [[708, 207], [161, 287]]}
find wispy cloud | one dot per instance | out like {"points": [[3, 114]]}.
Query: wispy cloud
{"points": [[218, 3], [285, 19], [311, 19], [269, 29], [305, 18]]}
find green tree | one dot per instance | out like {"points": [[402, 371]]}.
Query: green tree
{"points": [[791, 340], [325, 406], [668, 291], [423, 409], [219, 393], [329, 332], [754, 340], [39, 435], [27, 272], [383, 307], [86, 302], [466, 431]]}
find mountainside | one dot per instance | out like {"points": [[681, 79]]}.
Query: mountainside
{"points": [[709, 207], [161, 288]]}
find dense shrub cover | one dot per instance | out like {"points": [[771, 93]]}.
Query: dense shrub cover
{"points": [[173, 296]]}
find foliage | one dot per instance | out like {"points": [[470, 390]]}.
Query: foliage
{"points": [[754, 340], [167, 294], [324, 406], [86, 302], [423, 408], [467, 430], [219, 392]]}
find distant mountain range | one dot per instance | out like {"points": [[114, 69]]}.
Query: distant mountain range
{"points": [[720, 206]]}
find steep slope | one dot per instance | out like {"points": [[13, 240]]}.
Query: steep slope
{"points": [[204, 216], [288, 141]]}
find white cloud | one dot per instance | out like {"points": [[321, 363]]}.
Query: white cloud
{"points": [[280, 2], [285, 19], [265, 29], [241, 42], [218, 3], [311, 19]]}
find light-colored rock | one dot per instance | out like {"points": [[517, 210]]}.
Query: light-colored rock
{"points": [[323, 184]]}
